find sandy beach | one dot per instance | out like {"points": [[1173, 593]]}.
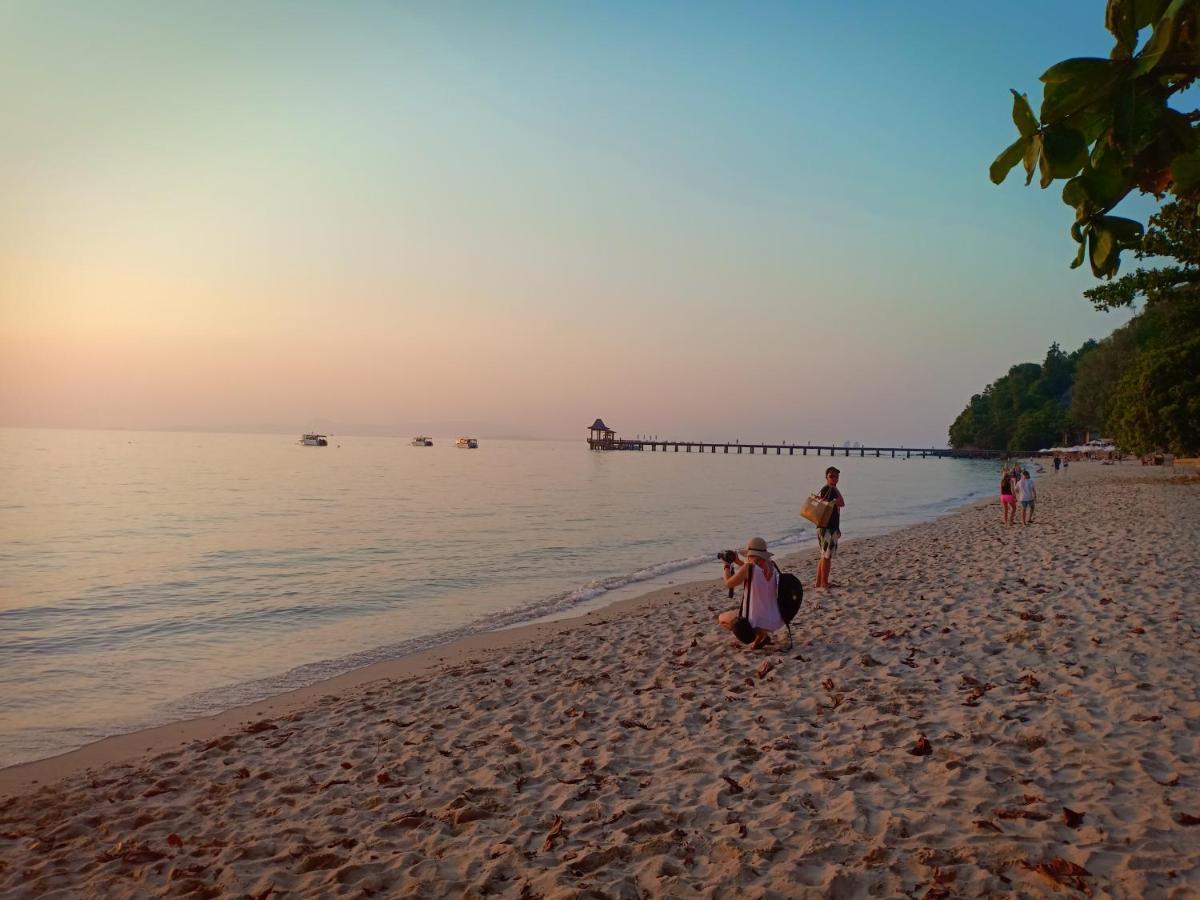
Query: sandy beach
{"points": [[975, 710]]}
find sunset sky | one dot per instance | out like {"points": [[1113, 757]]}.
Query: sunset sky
{"points": [[768, 221]]}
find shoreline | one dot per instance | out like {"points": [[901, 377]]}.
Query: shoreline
{"points": [[1043, 676], [116, 746]]}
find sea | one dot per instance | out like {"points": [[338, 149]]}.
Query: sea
{"points": [[148, 577]]}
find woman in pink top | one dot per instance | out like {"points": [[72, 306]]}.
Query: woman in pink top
{"points": [[1008, 499], [764, 591]]}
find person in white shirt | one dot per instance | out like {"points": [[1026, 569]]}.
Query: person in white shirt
{"points": [[1026, 496], [763, 608]]}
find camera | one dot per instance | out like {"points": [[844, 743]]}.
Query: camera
{"points": [[729, 557]]}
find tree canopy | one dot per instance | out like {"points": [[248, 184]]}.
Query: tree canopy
{"points": [[1108, 127], [1027, 409]]}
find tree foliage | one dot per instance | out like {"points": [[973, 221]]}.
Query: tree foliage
{"points": [[1157, 402], [1107, 126], [1027, 409], [1096, 378], [1173, 233], [1140, 385]]}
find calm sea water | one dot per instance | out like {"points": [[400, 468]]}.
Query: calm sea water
{"points": [[146, 577]]}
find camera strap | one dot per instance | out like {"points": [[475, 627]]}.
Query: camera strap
{"points": [[749, 584]]}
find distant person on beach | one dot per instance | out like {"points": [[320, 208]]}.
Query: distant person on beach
{"points": [[1057, 463], [1008, 498], [1032, 506], [827, 537], [1027, 495], [764, 591]]}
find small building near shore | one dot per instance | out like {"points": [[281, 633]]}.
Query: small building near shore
{"points": [[600, 436]]}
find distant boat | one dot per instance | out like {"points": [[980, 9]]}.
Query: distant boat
{"points": [[314, 440], [466, 443], [422, 441]]}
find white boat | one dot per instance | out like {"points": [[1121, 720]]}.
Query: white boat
{"points": [[314, 440], [422, 441], [466, 443]]}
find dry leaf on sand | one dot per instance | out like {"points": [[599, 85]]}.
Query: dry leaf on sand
{"points": [[1071, 818], [922, 747], [555, 831]]}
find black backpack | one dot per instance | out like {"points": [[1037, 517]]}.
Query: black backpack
{"points": [[791, 595]]}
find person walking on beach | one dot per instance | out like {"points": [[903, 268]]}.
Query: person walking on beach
{"points": [[763, 586], [827, 537], [1057, 463], [1008, 498], [1027, 495], [1032, 506]]}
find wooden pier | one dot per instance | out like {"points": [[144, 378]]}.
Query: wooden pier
{"points": [[600, 437]]}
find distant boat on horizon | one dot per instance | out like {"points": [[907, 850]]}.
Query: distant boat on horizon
{"points": [[422, 441], [313, 440], [466, 443]]}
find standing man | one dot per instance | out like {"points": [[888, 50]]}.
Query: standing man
{"points": [[1027, 496], [827, 537]]}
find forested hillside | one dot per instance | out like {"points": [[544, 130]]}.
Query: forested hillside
{"points": [[1027, 409]]}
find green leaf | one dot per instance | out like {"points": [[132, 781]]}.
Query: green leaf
{"points": [[1137, 115], [1073, 193], [1005, 161], [1102, 185], [1102, 247], [1126, 232], [1064, 153], [1091, 123], [1033, 152], [1076, 83], [1162, 38], [1022, 115], [1146, 12], [1079, 256], [1119, 20], [1185, 173]]}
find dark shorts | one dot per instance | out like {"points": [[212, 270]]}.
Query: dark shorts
{"points": [[827, 541]]}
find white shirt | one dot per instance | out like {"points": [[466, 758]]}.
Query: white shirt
{"points": [[764, 599]]}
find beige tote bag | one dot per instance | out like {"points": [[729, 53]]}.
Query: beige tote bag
{"points": [[817, 510]]}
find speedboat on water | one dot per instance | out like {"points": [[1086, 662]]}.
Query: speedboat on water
{"points": [[422, 441], [314, 440], [466, 443]]}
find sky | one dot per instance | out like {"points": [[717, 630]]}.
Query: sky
{"points": [[764, 221]]}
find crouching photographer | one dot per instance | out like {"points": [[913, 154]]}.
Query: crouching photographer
{"points": [[758, 615]]}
